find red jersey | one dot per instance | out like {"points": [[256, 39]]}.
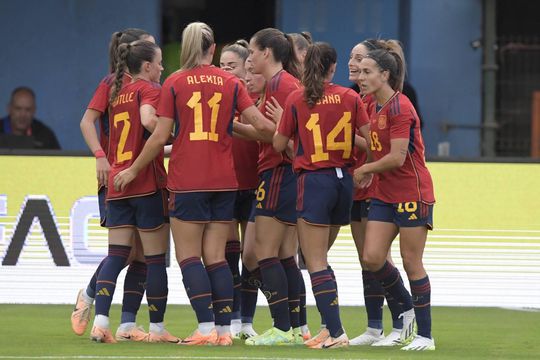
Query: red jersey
{"points": [[361, 157], [127, 139], [280, 86], [397, 119], [324, 134], [246, 156], [202, 101], [100, 102]]}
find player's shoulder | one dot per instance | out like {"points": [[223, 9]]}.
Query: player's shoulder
{"points": [[108, 80], [283, 82], [399, 104]]}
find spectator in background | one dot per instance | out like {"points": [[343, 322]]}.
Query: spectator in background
{"points": [[21, 122]]}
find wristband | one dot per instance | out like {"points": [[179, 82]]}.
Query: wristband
{"points": [[99, 154]]}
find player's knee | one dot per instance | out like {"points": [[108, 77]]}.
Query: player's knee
{"points": [[372, 260]]}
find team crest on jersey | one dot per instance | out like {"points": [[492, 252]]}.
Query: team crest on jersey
{"points": [[381, 122]]}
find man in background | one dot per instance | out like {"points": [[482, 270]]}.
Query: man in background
{"points": [[20, 129]]}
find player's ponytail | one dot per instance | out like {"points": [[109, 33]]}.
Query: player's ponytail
{"points": [[197, 38], [319, 59], [282, 47], [302, 40], [131, 56], [240, 48], [123, 37]]}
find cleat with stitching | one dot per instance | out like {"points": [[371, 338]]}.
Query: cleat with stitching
{"points": [[318, 339], [272, 336], [392, 339], [197, 339], [102, 335], [420, 343], [136, 333], [80, 317], [369, 337], [162, 337]]}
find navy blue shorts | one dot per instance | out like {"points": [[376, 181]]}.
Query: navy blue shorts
{"points": [[325, 196], [203, 206], [360, 210], [143, 212], [276, 194], [408, 214], [243, 204], [102, 194]]}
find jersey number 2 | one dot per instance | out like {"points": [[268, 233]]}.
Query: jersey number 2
{"points": [[122, 155]]}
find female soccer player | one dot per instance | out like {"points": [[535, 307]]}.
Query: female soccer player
{"points": [[245, 154], [374, 294], [142, 205], [272, 55], [97, 111], [322, 118], [403, 198], [201, 100]]}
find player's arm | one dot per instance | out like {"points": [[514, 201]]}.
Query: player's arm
{"points": [[148, 117], [151, 149], [280, 142], [89, 133], [393, 160], [363, 141], [265, 127], [247, 132]]}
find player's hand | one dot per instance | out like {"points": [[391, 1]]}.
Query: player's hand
{"points": [[361, 178], [102, 171], [273, 110], [123, 178]]}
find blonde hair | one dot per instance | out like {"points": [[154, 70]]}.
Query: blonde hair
{"points": [[197, 38]]}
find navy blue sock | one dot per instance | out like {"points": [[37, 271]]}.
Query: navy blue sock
{"points": [[275, 280], [395, 309], [374, 300], [292, 271], [391, 281], [222, 291], [250, 289], [134, 286], [232, 254], [198, 288], [106, 281], [156, 287], [421, 293], [325, 292], [91, 287], [303, 308]]}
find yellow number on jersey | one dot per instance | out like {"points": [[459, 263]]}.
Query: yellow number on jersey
{"points": [[375, 143], [409, 207], [344, 124], [122, 156], [195, 103], [261, 193]]}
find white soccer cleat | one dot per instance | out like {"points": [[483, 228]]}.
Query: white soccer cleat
{"points": [[236, 327], [247, 331], [420, 343], [392, 339], [408, 325], [369, 337]]}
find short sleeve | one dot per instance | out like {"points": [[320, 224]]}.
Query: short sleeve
{"points": [[287, 123], [401, 123], [166, 100], [150, 95], [100, 100]]}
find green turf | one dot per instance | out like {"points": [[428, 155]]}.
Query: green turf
{"points": [[460, 333]]}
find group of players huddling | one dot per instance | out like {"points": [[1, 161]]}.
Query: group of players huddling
{"points": [[268, 150]]}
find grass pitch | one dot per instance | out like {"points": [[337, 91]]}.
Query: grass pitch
{"points": [[44, 332]]}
